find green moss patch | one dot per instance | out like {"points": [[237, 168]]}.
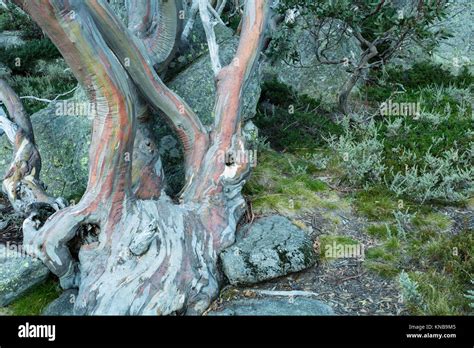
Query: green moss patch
{"points": [[286, 184], [329, 242], [35, 300], [376, 204]]}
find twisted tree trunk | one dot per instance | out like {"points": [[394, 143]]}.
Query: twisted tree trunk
{"points": [[150, 254], [22, 183]]}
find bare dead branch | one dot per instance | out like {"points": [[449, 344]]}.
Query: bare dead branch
{"points": [[216, 15], [208, 25], [45, 100], [190, 22], [221, 6]]}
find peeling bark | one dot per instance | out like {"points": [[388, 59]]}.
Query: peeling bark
{"points": [[157, 25], [21, 182], [151, 255]]}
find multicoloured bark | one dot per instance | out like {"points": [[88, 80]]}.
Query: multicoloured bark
{"points": [[152, 255], [22, 183]]}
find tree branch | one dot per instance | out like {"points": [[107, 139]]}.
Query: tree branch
{"points": [[210, 35], [15, 109], [22, 181], [190, 22], [231, 81], [221, 6], [44, 100], [183, 120], [157, 25]]}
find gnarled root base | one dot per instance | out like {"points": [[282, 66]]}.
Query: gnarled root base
{"points": [[158, 260]]}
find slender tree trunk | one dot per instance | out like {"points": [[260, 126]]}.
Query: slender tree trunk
{"points": [[346, 89]]}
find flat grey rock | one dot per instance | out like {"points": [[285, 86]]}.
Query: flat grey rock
{"points": [[63, 305], [272, 247], [298, 306], [18, 274]]}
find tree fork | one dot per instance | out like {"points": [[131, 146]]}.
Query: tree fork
{"points": [[151, 256]]}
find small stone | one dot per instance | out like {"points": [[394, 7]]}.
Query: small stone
{"points": [[18, 274]]}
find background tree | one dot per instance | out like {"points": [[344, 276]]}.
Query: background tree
{"points": [[147, 253], [384, 29]]}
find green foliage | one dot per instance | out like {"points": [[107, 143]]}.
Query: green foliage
{"points": [[427, 156], [275, 187], [36, 299], [21, 59], [376, 203], [440, 263], [415, 78], [441, 293], [381, 231], [327, 242], [360, 149], [470, 295], [49, 79], [385, 24], [410, 293], [292, 122], [447, 254], [12, 18], [447, 263]]}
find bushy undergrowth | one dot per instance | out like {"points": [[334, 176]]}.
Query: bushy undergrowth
{"points": [[48, 80], [21, 60], [421, 74], [427, 156], [439, 173], [423, 157], [361, 152], [410, 293], [292, 122], [12, 18]]}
